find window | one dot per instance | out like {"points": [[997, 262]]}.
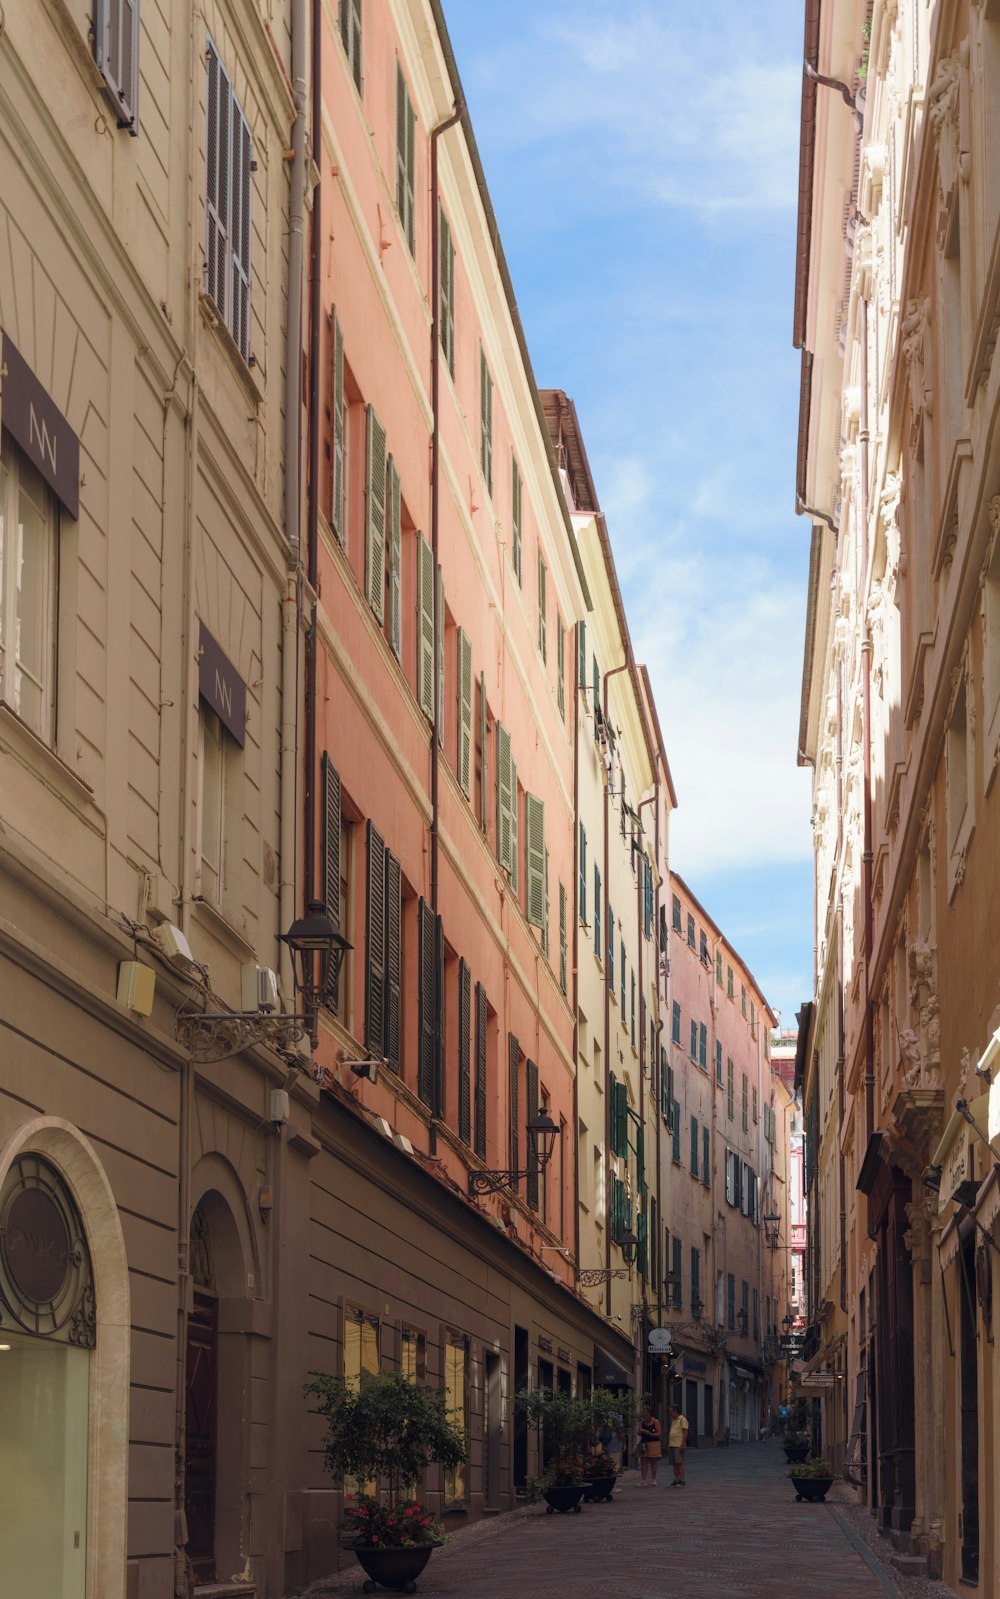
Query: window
{"points": [[446, 286], [116, 51], [361, 1346], [730, 1086], [535, 874], [690, 930], [413, 1354], [959, 807], [677, 1273], [383, 949], [754, 1103], [706, 1164], [703, 947], [633, 1007], [506, 804], [611, 950], [753, 1020], [694, 1040], [675, 1128], [730, 1301], [756, 1315], [542, 611], [338, 518], [336, 868], [350, 36], [743, 998], [456, 1403], [560, 665], [563, 939], [676, 914], [229, 157], [702, 1046], [745, 1306], [516, 487], [696, 1304], [28, 583], [647, 875], [583, 874], [597, 913], [729, 982], [746, 1123], [718, 1061], [463, 697], [694, 1146], [485, 421], [675, 1022], [406, 124], [718, 967], [621, 951], [212, 808], [375, 514]]}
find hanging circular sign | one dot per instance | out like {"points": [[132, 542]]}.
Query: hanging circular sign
{"points": [[659, 1340]]}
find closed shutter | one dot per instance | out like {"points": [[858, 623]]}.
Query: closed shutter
{"points": [[337, 507], [597, 912], [613, 1111], [702, 1045], [331, 839], [484, 790], [464, 1052], [485, 420], [706, 1165], [405, 136], [515, 519], [425, 627], [350, 33], [464, 698], [395, 536], [542, 610], [116, 48], [393, 960], [375, 485], [503, 794], [513, 1062], [642, 1244], [581, 650], [532, 1160], [675, 1129], [611, 948], [583, 873], [622, 1114], [217, 188], [560, 665], [375, 942], [597, 695], [649, 898], [563, 951], [694, 1146], [446, 280], [514, 844], [621, 952], [640, 1160], [677, 1273], [425, 1005], [666, 1079], [546, 941], [534, 819], [654, 1245], [694, 1040], [481, 1023], [242, 158], [438, 713]]}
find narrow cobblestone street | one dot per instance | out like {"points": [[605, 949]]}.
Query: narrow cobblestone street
{"points": [[737, 1529]]}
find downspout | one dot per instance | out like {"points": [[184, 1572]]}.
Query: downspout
{"points": [[640, 908], [866, 674], [312, 423], [575, 956], [840, 991], [661, 984], [607, 995]]}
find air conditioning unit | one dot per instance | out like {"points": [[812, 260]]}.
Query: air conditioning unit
{"points": [[258, 988]]}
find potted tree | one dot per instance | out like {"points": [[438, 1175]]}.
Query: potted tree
{"points": [[564, 1426], [387, 1431], [796, 1446], [811, 1479], [606, 1409]]}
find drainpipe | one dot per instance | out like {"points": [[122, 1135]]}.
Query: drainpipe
{"points": [[575, 957], [866, 674], [312, 453], [607, 993], [840, 990], [661, 983], [640, 909]]}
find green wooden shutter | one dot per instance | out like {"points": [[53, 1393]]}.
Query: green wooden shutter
{"points": [[464, 698], [583, 873], [597, 692], [542, 610], [337, 509], [676, 1130], [515, 518], [446, 280], [375, 942], [485, 420], [503, 795], [694, 1146], [621, 951], [439, 627], [649, 898], [706, 1165], [425, 627], [611, 948], [350, 33], [597, 911], [532, 1160], [514, 843], [405, 142], [375, 484], [640, 1160], [393, 960], [560, 665], [546, 940], [642, 1244], [623, 1119], [331, 839], [581, 663], [394, 528], [563, 950], [534, 819], [613, 1111], [464, 1052], [514, 1130], [483, 756], [481, 1024], [425, 1006]]}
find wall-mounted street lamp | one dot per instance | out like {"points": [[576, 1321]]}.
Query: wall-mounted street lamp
{"points": [[542, 1135], [317, 949], [742, 1322], [696, 1309], [772, 1227], [593, 1276]]}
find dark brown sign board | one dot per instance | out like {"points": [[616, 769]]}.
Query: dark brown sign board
{"points": [[36, 423], [221, 686]]}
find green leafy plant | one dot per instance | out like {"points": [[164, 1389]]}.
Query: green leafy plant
{"points": [[566, 1427], [811, 1468], [796, 1440], [387, 1430], [376, 1526]]}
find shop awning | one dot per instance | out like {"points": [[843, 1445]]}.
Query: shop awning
{"points": [[609, 1371]]}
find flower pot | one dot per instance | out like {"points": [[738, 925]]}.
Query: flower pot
{"points": [[598, 1488], [814, 1488], [393, 1568], [563, 1499], [796, 1453]]}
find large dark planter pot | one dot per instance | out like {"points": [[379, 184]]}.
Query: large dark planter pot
{"points": [[563, 1499], [597, 1489], [393, 1568], [796, 1453], [814, 1488]]}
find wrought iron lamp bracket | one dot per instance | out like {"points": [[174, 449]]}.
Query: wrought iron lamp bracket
{"points": [[209, 1037], [593, 1276], [491, 1182]]}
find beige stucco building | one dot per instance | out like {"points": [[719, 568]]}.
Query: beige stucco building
{"points": [[896, 315]]}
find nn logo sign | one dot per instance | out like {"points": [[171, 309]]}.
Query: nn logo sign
{"points": [[33, 419], [221, 686]]}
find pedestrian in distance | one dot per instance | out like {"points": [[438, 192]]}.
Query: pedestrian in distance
{"points": [[677, 1443], [650, 1445], [610, 1439]]}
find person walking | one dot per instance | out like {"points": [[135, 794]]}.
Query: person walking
{"points": [[677, 1443], [650, 1445]]}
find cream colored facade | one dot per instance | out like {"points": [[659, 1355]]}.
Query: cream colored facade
{"points": [[896, 314]]}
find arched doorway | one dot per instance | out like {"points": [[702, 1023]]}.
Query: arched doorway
{"points": [[64, 1367]]}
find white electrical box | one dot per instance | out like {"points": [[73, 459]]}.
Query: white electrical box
{"points": [[258, 988], [279, 1105], [174, 946]]}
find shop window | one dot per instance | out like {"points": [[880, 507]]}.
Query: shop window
{"points": [[413, 1355], [456, 1398]]}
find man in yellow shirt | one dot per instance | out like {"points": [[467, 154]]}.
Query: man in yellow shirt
{"points": [[677, 1443]]}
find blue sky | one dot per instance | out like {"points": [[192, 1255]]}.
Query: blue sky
{"points": [[642, 159]]}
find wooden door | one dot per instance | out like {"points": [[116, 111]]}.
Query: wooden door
{"points": [[199, 1457]]}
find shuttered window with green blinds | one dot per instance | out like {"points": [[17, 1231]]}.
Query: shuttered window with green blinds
{"points": [[531, 1160], [350, 34], [393, 961], [730, 1087], [633, 1008], [611, 949], [375, 941], [581, 652], [406, 125], [446, 268], [464, 699], [675, 1130], [560, 665], [677, 1272], [543, 643], [654, 1245], [648, 898], [439, 624], [583, 874], [621, 951], [506, 804], [563, 935], [375, 486], [640, 1160], [393, 512], [534, 827], [706, 1165], [642, 1244], [514, 1124], [597, 912], [702, 1046], [597, 693], [694, 1146], [425, 627], [426, 960], [464, 1052], [485, 420], [516, 488], [337, 509], [613, 1112], [546, 939], [484, 731], [482, 1018]]}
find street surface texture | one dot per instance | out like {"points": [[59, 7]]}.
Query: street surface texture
{"points": [[735, 1530]]}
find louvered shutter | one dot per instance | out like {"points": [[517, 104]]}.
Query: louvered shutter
{"points": [[597, 911], [677, 1271], [394, 531], [481, 1024], [514, 840], [116, 49], [484, 790], [611, 948], [375, 942], [446, 270], [503, 794], [437, 1097], [337, 507], [534, 818], [563, 950], [675, 1129], [350, 33], [623, 1119], [642, 1244], [485, 420], [532, 1160], [560, 665], [393, 959], [425, 627], [542, 609], [640, 1161], [694, 1146], [375, 486], [331, 839], [621, 951], [581, 663], [217, 188], [613, 1112], [425, 1001], [515, 518], [464, 1052], [513, 1060], [439, 653], [404, 156], [583, 873], [706, 1167], [240, 234], [546, 941], [648, 879], [464, 698]]}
